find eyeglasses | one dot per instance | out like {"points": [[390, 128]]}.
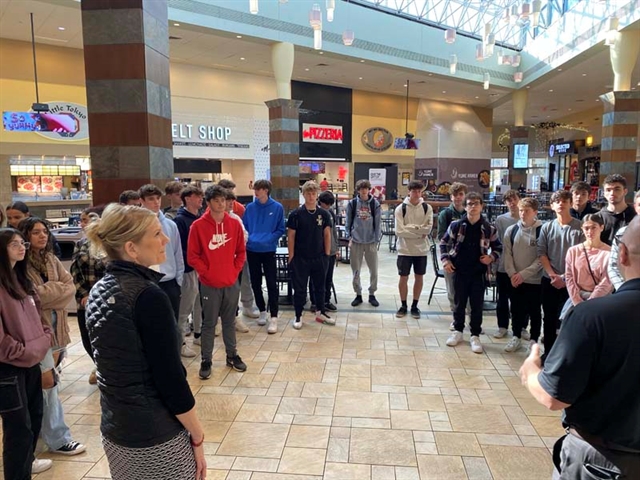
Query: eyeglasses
{"points": [[473, 204], [17, 245]]}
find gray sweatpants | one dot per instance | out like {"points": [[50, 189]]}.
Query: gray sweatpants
{"points": [[246, 292], [370, 253], [190, 302], [219, 302]]}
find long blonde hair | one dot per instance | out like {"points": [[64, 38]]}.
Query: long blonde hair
{"points": [[119, 224]]}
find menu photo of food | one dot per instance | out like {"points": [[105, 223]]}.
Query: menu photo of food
{"points": [[50, 184], [28, 184]]}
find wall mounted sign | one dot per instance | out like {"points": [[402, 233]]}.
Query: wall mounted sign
{"points": [[315, 133], [75, 111], [560, 148], [377, 139], [426, 173]]}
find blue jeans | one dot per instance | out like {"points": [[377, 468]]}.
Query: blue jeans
{"points": [[55, 431]]}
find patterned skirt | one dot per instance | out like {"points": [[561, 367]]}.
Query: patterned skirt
{"points": [[171, 460]]}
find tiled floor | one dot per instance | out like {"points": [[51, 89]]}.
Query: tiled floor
{"points": [[372, 398]]}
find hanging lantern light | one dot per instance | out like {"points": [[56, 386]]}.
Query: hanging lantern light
{"points": [[515, 15], [517, 77], [526, 10], [612, 30], [506, 18], [479, 52], [453, 63], [315, 20], [487, 81], [253, 6], [283, 1], [487, 31], [331, 6], [536, 9], [500, 56], [515, 60], [488, 48], [450, 35], [348, 37]]}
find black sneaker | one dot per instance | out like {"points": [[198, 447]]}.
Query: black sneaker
{"points": [[356, 301], [236, 363], [373, 301], [312, 308], [331, 307], [402, 311], [71, 448], [415, 312], [205, 369]]}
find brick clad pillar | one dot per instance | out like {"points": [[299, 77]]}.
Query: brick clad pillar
{"points": [[284, 147], [126, 55], [620, 124]]}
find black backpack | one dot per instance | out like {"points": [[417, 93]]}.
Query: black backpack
{"points": [[372, 208], [515, 229], [425, 207]]}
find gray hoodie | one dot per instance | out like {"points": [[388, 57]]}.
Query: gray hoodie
{"points": [[522, 256], [362, 230]]}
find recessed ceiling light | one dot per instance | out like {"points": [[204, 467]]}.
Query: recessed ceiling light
{"points": [[431, 74], [584, 74], [306, 69], [444, 91], [321, 53], [528, 86], [559, 69], [238, 36], [597, 99], [62, 29], [570, 109], [548, 116], [405, 85], [550, 90], [176, 24], [361, 61], [241, 58], [477, 97], [359, 78]]}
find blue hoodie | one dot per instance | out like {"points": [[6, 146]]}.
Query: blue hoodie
{"points": [[265, 224]]}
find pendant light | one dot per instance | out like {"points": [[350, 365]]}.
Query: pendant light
{"points": [[453, 63], [450, 35], [348, 37], [253, 6], [331, 6], [487, 81], [315, 20]]}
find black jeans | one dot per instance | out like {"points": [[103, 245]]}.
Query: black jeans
{"points": [[469, 287], [553, 299], [173, 291], [526, 303], [503, 283], [301, 270], [21, 404], [84, 333], [580, 460], [328, 281], [264, 263]]}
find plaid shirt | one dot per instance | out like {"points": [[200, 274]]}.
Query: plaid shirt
{"points": [[86, 270], [451, 241]]}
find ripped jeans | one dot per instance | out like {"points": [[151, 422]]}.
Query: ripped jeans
{"points": [[55, 431]]}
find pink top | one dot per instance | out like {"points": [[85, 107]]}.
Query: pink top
{"points": [[577, 275]]}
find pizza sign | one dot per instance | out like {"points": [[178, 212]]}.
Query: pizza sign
{"points": [[312, 132]]}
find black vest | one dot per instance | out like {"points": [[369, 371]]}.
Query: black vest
{"points": [[133, 414]]}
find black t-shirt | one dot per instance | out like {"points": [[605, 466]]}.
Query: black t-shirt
{"points": [[594, 366], [614, 222], [309, 229], [468, 258]]}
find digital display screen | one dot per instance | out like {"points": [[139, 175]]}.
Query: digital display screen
{"points": [[521, 155], [39, 122], [403, 143]]}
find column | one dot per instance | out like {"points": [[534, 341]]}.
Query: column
{"points": [[284, 130], [5, 181], [126, 55]]}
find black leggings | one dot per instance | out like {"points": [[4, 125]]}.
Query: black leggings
{"points": [[84, 333]]}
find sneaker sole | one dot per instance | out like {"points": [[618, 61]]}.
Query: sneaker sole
{"points": [[236, 369], [297, 327], [204, 377], [77, 451], [415, 316], [324, 322], [401, 315]]}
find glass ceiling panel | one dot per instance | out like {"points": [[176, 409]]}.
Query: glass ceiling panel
{"points": [[469, 17]]}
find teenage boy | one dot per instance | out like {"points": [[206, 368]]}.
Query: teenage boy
{"points": [[130, 197], [455, 211], [413, 221], [309, 243], [238, 208], [524, 270], [188, 213], [614, 269], [617, 213], [326, 201], [580, 204], [470, 245], [172, 191], [363, 231], [173, 267], [264, 221], [216, 251], [556, 237], [502, 222]]}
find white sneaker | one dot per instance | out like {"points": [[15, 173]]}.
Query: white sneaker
{"points": [[530, 346], [513, 345], [325, 319], [40, 465], [500, 333], [297, 323], [262, 319], [524, 335], [218, 329], [240, 326], [197, 341], [187, 352], [273, 325], [454, 339], [252, 312], [476, 346], [452, 327]]}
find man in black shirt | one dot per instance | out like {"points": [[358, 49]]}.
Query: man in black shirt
{"points": [[617, 213], [309, 243], [580, 204], [592, 373]]}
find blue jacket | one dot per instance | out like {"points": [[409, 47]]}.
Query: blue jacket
{"points": [[184, 219], [265, 224], [173, 266]]}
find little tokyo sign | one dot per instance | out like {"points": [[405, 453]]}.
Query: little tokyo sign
{"points": [[314, 133]]}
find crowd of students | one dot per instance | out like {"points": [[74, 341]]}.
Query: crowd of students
{"points": [[141, 272]]}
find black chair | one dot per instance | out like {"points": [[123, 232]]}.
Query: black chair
{"points": [[388, 230], [436, 268]]}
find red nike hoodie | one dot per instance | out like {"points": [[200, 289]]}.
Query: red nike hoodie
{"points": [[216, 250]]}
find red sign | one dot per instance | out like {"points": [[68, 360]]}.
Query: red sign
{"points": [[321, 133]]}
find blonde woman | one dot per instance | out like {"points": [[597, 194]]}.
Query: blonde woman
{"points": [[54, 286], [586, 265], [149, 427]]}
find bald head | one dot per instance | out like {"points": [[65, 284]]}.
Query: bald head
{"points": [[629, 253]]}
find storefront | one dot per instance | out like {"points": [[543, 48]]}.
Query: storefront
{"points": [[564, 165]]}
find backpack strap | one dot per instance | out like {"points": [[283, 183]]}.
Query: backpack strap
{"points": [[514, 232], [352, 215], [372, 209], [425, 207]]}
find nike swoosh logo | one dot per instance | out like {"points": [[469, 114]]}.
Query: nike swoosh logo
{"points": [[215, 246]]}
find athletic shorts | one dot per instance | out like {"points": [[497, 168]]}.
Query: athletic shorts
{"points": [[404, 265]]}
